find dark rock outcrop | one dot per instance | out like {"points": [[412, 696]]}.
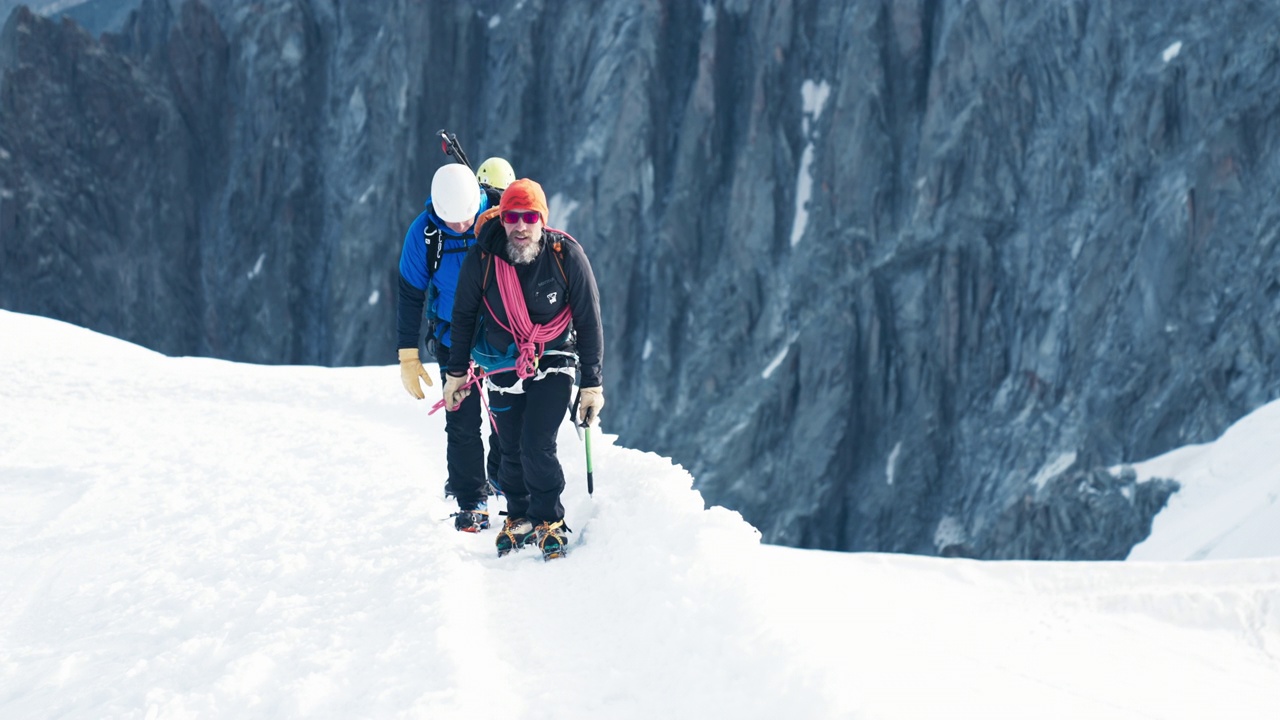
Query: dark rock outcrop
{"points": [[899, 275], [1080, 515]]}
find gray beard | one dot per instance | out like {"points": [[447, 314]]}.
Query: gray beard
{"points": [[525, 255]]}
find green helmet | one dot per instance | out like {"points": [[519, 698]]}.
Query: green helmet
{"points": [[496, 173]]}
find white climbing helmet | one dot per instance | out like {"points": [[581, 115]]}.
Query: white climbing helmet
{"points": [[496, 173], [455, 194]]}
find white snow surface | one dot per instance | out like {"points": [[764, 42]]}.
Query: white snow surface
{"points": [[1228, 504], [194, 538]]}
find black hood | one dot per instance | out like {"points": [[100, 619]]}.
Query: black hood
{"points": [[493, 239]]}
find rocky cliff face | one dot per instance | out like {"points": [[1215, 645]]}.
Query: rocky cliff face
{"points": [[96, 16], [895, 275]]}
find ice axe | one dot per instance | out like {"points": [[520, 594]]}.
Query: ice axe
{"points": [[584, 429]]}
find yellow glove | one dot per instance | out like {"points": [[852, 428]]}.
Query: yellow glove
{"points": [[454, 393], [590, 400], [410, 370]]}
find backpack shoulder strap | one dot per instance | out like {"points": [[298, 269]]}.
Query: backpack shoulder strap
{"points": [[558, 246], [435, 247], [488, 264], [559, 251]]}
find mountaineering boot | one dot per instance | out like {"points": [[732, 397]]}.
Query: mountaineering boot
{"points": [[473, 520], [514, 534], [552, 540]]}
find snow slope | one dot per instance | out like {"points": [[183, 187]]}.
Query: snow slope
{"points": [[1227, 506], [192, 538]]}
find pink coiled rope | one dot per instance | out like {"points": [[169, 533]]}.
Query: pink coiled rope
{"points": [[531, 339]]}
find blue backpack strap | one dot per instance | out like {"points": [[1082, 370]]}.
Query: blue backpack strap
{"points": [[431, 235], [434, 236]]}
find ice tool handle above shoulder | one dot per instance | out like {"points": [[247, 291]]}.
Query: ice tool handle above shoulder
{"points": [[450, 146]]}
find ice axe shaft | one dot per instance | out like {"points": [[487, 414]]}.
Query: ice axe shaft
{"points": [[584, 434], [591, 482]]}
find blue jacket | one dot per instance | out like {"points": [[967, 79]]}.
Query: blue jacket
{"points": [[416, 284]]}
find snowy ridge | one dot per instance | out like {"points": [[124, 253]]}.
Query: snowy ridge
{"points": [[1229, 504], [184, 537]]}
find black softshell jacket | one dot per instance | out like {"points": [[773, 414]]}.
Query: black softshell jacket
{"points": [[546, 290]]}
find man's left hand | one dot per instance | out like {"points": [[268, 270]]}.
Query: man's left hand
{"points": [[590, 400]]}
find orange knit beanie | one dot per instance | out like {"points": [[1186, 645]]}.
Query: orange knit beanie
{"points": [[524, 194]]}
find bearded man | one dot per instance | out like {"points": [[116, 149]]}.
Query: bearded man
{"points": [[528, 290]]}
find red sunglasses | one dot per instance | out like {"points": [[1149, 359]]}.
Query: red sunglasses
{"points": [[511, 217]]}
